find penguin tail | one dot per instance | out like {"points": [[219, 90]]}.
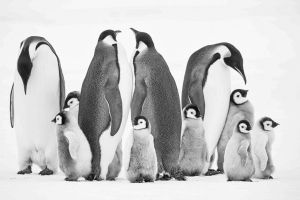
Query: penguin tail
{"points": [[177, 173]]}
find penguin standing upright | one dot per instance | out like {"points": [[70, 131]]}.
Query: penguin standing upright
{"points": [[37, 94], [193, 157], [240, 108], [207, 84], [74, 151], [105, 101], [156, 97], [238, 161], [263, 137], [72, 102], [140, 158]]}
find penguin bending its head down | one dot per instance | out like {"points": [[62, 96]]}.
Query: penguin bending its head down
{"points": [[207, 83], [239, 108], [263, 137], [72, 102], [74, 151], [193, 157], [38, 93], [156, 97], [238, 162], [140, 156], [105, 101]]}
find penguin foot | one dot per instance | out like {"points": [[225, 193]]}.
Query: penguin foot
{"points": [[70, 179], [247, 180], [270, 177], [110, 179], [212, 172], [46, 171], [177, 173], [229, 180], [93, 176], [25, 171], [220, 171]]}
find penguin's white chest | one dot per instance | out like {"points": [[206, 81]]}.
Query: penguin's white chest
{"points": [[216, 95]]}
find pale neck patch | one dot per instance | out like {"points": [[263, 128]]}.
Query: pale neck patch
{"points": [[243, 128], [109, 40], [239, 99], [268, 125], [142, 47], [73, 102]]}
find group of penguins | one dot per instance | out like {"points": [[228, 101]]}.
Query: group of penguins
{"points": [[169, 138]]}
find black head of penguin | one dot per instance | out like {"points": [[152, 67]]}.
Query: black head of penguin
{"points": [[241, 91], [143, 37], [139, 119], [106, 33], [244, 126], [191, 107], [264, 119], [74, 94], [62, 117]]}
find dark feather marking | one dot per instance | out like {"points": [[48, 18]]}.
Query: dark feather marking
{"points": [[117, 61], [214, 58], [134, 65], [11, 106]]}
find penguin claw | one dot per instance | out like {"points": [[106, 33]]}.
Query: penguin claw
{"points": [[212, 172], [270, 177], [70, 179], [46, 171], [25, 171]]}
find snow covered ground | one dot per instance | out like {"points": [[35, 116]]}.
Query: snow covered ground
{"points": [[266, 33]]}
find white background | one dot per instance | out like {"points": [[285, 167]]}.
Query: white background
{"points": [[266, 33]]}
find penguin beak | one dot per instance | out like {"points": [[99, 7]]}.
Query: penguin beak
{"points": [[240, 70], [248, 128], [118, 31], [135, 31], [275, 124], [65, 106], [54, 120], [245, 93]]}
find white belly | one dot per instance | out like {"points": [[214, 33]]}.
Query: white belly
{"points": [[107, 142], [35, 110], [216, 95]]}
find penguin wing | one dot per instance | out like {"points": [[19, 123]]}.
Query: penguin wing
{"points": [[12, 121], [73, 143], [262, 157], [127, 152], [113, 96], [139, 96], [243, 152], [61, 76]]}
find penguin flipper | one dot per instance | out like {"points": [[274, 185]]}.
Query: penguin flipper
{"points": [[127, 151], [138, 98], [73, 143], [196, 95], [113, 98], [262, 157], [12, 121], [243, 152]]}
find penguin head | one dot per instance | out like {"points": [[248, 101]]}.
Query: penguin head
{"points": [[268, 124], [109, 36], [191, 111], [72, 99], [239, 96], [244, 126], [143, 40], [140, 122], [60, 118]]}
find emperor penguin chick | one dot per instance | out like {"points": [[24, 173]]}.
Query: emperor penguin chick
{"points": [[239, 108], [238, 162], [193, 151], [263, 137], [74, 152], [72, 102], [140, 155]]}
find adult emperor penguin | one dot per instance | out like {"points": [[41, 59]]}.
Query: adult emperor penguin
{"points": [[263, 137], [140, 156], [72, 102], [105, 101], [207, 84], [193, 157], [74, 151], [156, 97], [240, 108], [37, 95], [238, 162]]}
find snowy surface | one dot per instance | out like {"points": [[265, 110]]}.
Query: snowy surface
{"points": [[266, 33]]}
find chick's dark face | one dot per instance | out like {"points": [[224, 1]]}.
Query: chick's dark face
{"points": [[140, 122], [191, 111]]}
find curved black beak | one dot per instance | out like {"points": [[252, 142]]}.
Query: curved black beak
{"points": [[275, 124], [135, 31], [54, 120]]}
